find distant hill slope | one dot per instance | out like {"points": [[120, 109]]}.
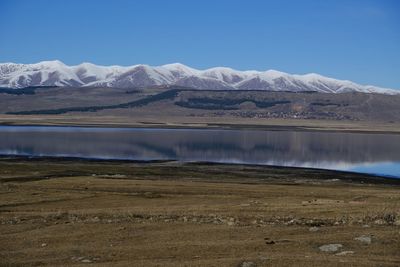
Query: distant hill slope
{"points": [[178, 102], [56, 73]]}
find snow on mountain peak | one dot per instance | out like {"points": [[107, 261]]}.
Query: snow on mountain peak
{"points": [[272, 74], [180, 68], [51, 64], [56, 73]]}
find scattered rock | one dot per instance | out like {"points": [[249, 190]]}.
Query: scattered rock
{"points": [[330, 247], [313, 229], [86, 261], [344, 253], [397, 222], [291, 222], [74, 258], [230, 223], [247, 264], [118, 176], [44, 245], [364, 239], [379, 222], [268, 241], [263, 258]]}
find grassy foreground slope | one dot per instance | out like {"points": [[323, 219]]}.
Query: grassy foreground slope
{"points": [[69, 212]]}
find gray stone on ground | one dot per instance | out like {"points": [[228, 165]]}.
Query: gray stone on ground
{"points": [[248, 264], [344, 253], [313, 229], [364, 239], [379, 222], [330, 247]]}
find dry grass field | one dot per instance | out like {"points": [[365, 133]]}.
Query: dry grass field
{"points": [[77, 213]]}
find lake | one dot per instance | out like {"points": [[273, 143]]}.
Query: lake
{"points": [[358, 152]]}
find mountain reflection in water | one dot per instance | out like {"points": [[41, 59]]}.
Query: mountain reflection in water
{"points": [[372, 153]]}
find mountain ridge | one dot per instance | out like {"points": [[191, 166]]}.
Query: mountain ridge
{"points": [[56, 73]]}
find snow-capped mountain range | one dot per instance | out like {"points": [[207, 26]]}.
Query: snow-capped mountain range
{"points": [[56, 73]]}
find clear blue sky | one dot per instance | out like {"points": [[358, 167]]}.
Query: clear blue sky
{"points": [[357, 40]]}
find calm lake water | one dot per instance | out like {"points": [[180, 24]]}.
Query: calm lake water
{"points": [[368, 153]]}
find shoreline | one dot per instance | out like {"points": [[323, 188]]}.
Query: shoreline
{"points": [[207, 122], [342, 176], [208, 126]]}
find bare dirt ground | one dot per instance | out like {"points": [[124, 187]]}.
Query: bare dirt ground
{"points": [[77, 213]]}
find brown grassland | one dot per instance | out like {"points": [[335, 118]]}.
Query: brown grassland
{"points": [[106, 213]]}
